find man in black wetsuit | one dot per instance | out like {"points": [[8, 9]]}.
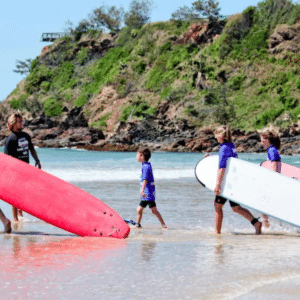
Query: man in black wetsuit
{"points": [[18, 144]]}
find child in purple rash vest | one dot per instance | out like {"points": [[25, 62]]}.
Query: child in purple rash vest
{"points": [[271, 142], [227, 150], [147, 188]]}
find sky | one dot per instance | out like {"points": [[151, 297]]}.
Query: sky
{"points": [[23, 22]]}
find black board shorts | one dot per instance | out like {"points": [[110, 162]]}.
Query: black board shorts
{"points": [[145, 203], [222, 200]]}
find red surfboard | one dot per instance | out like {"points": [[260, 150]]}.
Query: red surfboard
{"points": [[284, 169], [57, 202]]}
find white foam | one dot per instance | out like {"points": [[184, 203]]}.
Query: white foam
{"points": [[85, 175]]}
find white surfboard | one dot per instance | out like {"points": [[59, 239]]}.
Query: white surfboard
{"points": [[255, 187]]}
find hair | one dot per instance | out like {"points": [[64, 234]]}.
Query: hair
{"points": [[146, 152], [224, 132], [273, 138], [12, 120]]}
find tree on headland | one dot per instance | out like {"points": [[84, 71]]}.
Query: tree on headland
{"points": [[200, 9], [139, 13], [106, 17], [185, 14], [113, 18], [208, 8], [23, 67], [82, 28]]}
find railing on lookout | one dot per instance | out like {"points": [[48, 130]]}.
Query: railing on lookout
{"points": [[52, 36]]}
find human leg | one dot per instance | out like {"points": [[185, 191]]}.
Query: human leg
{"points": [[218, 217], [15, 214], [6, 222], [159, 217], [265, 221], [219, 203], [247, 214], [140, 210]]}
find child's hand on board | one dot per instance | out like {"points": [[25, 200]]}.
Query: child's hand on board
{"points": [[143, 194]]}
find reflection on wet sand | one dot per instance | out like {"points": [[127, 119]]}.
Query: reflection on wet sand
{"points": [[147, 250], [37, 250]]}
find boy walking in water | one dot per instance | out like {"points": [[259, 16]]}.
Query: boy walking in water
{"points": [[147, 188]]}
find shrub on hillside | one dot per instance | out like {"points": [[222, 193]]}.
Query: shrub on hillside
{"points": [[52, 107], [139, 67], [295, 114], [45, 85], [236, 82], [81, 100], [101, 123], [63, 74], [138, 109], [164, 71], [14, 103], [177, 94], [298, 83], [82, 56], [36, 77], [269, 13], [268, 116]]}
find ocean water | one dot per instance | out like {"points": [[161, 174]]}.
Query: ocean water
{"points": [[187, 261]]}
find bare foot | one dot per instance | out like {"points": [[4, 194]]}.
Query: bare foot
{"points": [[266, 221], [7, 227], [164, 227], [257, 227]]}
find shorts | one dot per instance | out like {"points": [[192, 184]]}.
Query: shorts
{"points": [[145, 203], [222, 200]]}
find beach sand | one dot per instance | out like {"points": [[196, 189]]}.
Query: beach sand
{"points": [[188, 261]]}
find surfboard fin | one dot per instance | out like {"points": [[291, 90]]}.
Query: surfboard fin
{"points": [[130, 222]]}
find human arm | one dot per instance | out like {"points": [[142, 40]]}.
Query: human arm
{"points": [[224, 154], [144, 183], [10, 146], [35, 157], [220, 176], [274, 165], [6, 147]]}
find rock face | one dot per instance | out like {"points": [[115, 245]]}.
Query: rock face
{"points": [[158, 133], [72, 132], [203, 32], [285, 39]]}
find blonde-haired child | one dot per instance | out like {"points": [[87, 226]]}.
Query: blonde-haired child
{"points": [[227, 150]]}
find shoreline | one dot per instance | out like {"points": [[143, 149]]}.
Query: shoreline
{"points": [[155, 133]]}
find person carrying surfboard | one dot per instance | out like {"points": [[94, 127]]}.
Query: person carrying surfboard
{"points": [[272, 143], [18, 144], [147, 188], [227, 149]]}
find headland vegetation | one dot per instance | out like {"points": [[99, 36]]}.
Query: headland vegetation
{"points": [[117, 82]]}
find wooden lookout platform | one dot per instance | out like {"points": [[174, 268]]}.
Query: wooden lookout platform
{"points": [[52, 36]]}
